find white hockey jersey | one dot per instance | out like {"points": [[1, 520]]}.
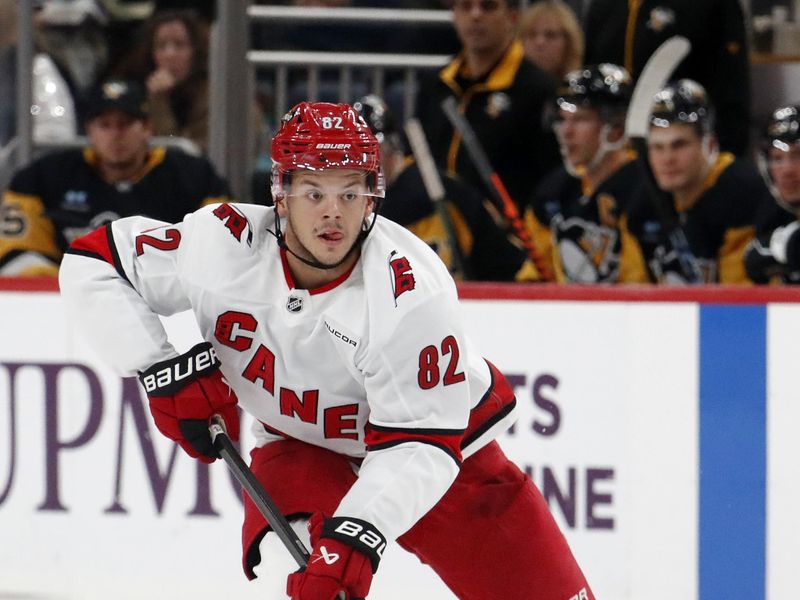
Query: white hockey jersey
{"points": [[375, 365]]}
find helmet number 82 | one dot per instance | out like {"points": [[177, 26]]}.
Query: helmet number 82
{"points": [[332, 123], [429, 374]]}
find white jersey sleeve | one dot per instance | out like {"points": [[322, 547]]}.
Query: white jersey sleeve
{"points": [[119, 279]]}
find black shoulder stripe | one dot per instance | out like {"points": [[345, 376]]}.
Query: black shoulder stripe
{"points": [[393, 443], [488, 424], [489, 389], [115, 254]]}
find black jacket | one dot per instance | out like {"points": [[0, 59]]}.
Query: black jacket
{"points": [[505, 109], [718, 59]]}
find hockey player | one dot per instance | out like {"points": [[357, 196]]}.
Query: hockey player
{"points": [[66, 194], [577, 214], [711, 196], [774, 256], [339, 331]]}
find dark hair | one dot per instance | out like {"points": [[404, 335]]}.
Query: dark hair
{"points": [[140, 63]]}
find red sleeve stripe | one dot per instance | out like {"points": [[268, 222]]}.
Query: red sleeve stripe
{"points": [[381, 437], [497, 402], [99, 244]]}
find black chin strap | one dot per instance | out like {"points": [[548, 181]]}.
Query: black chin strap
{"points": [[365, 229]]}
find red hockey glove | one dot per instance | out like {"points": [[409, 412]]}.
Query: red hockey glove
{"points": [[184, 393], [345, 554]]}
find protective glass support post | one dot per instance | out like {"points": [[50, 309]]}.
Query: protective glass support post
{"points": [[230, 96], [24, 97]]}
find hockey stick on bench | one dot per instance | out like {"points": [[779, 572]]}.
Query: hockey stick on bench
{"points": [[435, 189], [497, 189], [259, 496]]}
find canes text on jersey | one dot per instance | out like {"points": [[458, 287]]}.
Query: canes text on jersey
{"points": [[234, 329]]}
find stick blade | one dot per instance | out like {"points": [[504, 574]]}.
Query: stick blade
{"points": [[655, 74]]}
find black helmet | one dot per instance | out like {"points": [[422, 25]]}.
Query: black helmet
{"points": [[683, 101], [783, 128], [379, 117], [604, 87]]}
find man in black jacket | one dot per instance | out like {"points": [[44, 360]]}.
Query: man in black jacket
{"points": [[501, 94], [66, 194]]}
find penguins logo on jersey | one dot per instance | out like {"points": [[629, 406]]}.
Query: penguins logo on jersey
{"points": [[402, 277]]}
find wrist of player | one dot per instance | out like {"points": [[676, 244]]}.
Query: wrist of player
{"points": [[345, 556], [184, 392]]}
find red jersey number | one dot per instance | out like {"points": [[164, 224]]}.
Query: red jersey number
{"points": [[173, 238], [429, 374]]}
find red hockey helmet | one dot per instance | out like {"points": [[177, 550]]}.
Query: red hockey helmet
{"points": [[320, 135]]}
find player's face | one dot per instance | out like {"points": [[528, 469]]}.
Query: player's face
{"points": [[324, 213], [484, 26], [119, 139], [784, 168], [172, 49], [546, 43], [578, 135], [677, 156]]}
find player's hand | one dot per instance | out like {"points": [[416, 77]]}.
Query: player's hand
{"points": [[184, 393], [160, 81], [345, 554]]}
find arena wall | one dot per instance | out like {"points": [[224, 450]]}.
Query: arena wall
{"points": [[660, 424]]}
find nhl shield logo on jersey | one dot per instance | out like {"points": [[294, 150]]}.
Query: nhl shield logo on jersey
{"points": [[403, 278], [294, 304]]}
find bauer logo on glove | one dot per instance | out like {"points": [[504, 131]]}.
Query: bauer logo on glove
{"points": [[173, 376], [184, 393]]}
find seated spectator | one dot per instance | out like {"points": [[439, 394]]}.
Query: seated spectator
{"points": [[66, 194], [710, 199], [578, 217], [500, 93], [552, 37], [485, 251], [172, 63], [774, 256]]}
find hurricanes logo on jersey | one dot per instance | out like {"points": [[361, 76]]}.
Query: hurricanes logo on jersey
{"points": [[403, 278]]}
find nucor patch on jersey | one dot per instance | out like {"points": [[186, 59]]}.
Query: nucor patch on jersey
{"points": [[340, 336]]}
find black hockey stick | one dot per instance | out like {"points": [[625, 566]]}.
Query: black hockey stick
{"points": [[497, 189], [278, 523], [654, 76], [259, 496], [434, 188]]}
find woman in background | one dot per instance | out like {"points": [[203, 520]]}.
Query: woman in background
{"points": [[552, 38], [172, 64]]}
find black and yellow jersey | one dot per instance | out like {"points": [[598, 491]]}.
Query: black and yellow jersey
{"points": [[487, 252], [760, 259], [582, 232], [718, 225], [505, 108], [61, 196]]}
